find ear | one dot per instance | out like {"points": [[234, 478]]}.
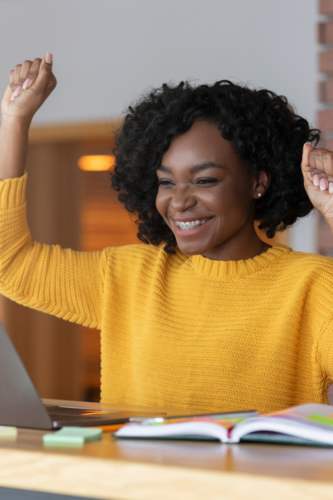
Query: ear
{"points": [[261, 183]]}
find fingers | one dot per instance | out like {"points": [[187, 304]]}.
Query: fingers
{"points": [[46, 78], [320, 167], [23, 76], [16, 87], [17, 72], [25, 68], [11, 77], [37, 74], [29, 72], [305, 158], [305, 164]]}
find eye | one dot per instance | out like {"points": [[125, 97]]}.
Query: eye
{"points": [[209, 180], [164, 182]]}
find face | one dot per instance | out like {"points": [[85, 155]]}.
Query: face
{"points": [[207, 197]]}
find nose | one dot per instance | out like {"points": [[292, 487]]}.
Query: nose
{"points": [[182, 199]]}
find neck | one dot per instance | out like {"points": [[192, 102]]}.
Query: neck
{"points": [[239, 247]]}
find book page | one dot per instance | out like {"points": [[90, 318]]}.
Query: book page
{"points": [[312, 422]]}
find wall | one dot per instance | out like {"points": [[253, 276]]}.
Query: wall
{"points": [[107, 52]]}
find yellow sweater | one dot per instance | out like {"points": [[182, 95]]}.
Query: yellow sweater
{"points": [[183, 331]]}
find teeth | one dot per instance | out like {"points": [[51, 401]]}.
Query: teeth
{"points": [[189, 225]]}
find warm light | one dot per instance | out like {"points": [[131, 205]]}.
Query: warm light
{"points": [[96, 163]]}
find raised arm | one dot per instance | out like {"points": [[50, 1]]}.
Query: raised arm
{"points": [[317, 170], [61, 282], [30, 84]]}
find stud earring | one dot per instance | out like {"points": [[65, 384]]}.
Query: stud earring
{"points": [[259, 194]]}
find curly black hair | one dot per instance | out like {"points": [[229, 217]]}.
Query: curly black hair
{"points": [[261, 125]]}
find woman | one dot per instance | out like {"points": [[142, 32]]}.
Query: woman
{"points": [[208, 317]]}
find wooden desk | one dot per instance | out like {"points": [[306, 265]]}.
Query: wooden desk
{"points": [[163, 470]]}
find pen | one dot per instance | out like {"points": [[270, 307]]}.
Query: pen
{"points": [[235, 414]]}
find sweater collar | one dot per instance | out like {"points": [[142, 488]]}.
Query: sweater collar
{"points": [[218, 269]]}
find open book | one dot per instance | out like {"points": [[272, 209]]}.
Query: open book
{"points": [[310, 424]]}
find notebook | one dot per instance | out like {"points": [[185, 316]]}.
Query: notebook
{"points": [[310, 424], [21, 406]]}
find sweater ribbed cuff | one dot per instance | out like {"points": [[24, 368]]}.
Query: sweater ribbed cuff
{"points": [[12, 192]]}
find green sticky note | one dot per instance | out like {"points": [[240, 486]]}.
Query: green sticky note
{"points": [[321, 419], [72, 436], [7, 432]]}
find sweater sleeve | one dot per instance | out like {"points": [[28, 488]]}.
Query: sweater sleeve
{"points": [[325, 349], [57, 281]]}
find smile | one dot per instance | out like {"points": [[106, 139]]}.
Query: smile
{"points": [[190, 225]]}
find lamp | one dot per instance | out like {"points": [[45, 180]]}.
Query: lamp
{"points": [[96, 163]]}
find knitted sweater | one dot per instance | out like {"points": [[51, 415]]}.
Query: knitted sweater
{"points": [[182, 331]]}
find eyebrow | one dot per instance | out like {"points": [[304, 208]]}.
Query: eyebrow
{"points": [[195, 168]]}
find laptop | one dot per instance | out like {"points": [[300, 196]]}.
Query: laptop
{"points": [[21, 406]]}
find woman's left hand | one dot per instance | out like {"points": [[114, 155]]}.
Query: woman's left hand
{"points": [[317, 169]]}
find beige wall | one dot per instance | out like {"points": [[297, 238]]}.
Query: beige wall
{"points": [[107, 52]]}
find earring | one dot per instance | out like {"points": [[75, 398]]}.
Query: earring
{"points": [[259, 194]]}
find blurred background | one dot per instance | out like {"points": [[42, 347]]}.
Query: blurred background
{"points": [[106, 54]]}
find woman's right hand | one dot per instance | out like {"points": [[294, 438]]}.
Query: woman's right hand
{"points": [[30, 84]]}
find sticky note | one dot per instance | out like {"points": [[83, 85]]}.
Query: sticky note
{"points": [[72, 436], [7, 432], [321, 419]]}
